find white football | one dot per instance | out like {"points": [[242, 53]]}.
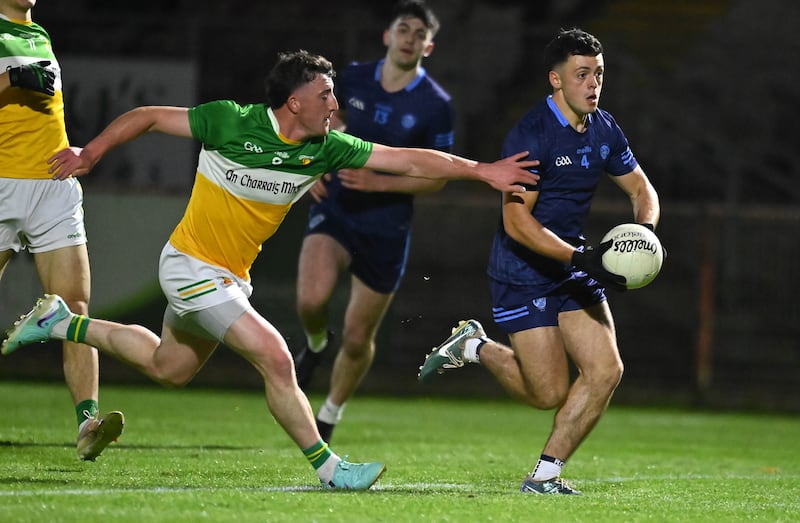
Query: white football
{"points": [[635, 253]]}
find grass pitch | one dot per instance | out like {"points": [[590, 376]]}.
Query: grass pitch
{"points": [[209, 455]]}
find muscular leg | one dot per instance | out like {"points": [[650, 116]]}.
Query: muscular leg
{"points": [[536, 371], [176, 357], [263, 346], [364, 313], [66, 272], [591, 344], [321, 260], [171, 360]]}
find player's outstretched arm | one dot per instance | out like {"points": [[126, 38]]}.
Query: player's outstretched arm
{"points": [[74, 161], [508, 175]]}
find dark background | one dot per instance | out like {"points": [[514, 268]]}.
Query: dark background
{"points": [[707, 93]]}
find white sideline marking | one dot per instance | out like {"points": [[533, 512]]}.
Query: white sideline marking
{"points": [[178, 490], [387, 486]]}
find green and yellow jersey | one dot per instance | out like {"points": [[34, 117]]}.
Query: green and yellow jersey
{"points": [[248, 177], [32, 124]]}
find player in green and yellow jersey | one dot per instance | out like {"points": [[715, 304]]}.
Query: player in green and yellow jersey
{"points": [[42, 215]]}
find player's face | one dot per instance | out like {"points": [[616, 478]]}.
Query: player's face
{"points": [[313, 105], [580, 80], [408, 41]]}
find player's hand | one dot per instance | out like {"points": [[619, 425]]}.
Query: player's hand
{"points": [[69, 162], [364, 180], [590, 260], [319, 191], [653, 230], [508, 174], [35, 77]]}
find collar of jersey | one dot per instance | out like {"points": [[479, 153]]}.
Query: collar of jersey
{"points": [[15, 21], [557, 112], [415, 82], [277, 127]]}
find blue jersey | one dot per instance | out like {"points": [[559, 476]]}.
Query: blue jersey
{"points": [[420, 115], [572, 164]]}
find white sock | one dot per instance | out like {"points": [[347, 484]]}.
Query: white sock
{"points": [[317, 342], [325, 472], [59, 331], [471, 347], [330, 412], [546, 469]]}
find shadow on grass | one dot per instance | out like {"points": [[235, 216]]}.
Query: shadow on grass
{"points": [[26, 444]]}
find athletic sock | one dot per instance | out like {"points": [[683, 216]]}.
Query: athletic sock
{"points": [[86, 409], [59, 330], [317, 342], [548, 467], [472, 349], [71, 328], [330, 412], [323, 459]]}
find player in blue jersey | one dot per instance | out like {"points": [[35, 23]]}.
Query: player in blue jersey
{"points": [[361, 219], [255, 162], [39, 214], [547, 284]]}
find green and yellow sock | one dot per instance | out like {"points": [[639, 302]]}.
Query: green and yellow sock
{"points": [[317, 454], [323, 459], [76, 330], [86, 409]]}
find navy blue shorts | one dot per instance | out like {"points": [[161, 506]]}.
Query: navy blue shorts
{"points": [[516, 308], [378, 261]]}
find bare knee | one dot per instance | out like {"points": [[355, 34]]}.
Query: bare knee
{"points": [[549, 397], [613, 376], [357, 341], [605, 380], [171, 379], [275, 366]]}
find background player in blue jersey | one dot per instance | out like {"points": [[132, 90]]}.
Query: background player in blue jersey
{"points": [[547, 285], [39, 214], [361, 221]]}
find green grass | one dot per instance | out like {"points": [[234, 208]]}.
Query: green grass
{"points": [[210, 455]]}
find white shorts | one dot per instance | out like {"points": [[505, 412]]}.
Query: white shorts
{"points": [[191, 285], [41, 215]]}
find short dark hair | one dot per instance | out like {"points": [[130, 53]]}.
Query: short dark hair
{"points": [[417, 9], [292, 70], [567, 43]]}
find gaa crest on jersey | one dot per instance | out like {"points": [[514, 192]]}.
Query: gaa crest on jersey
{"points": [[408, 121], [605, 150], [539, 303]]}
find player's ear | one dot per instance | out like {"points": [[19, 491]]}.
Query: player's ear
{"points": [[293, 104], [387, 38], [428, 49], [555, 79]]}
